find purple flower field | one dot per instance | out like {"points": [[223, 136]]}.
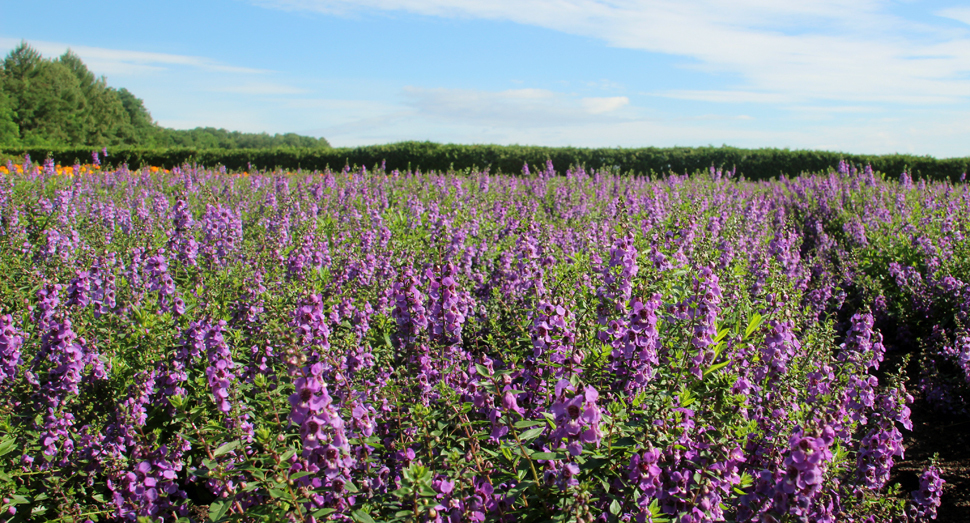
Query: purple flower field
{"points": [[201, 345]]}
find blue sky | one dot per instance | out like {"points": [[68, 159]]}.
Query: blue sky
{"points": [[864, 76]]}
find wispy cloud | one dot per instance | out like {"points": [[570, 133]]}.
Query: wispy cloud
{"points": [[118, 61], [809, 50], [716, 96], [916, 132], [960, 14], [604, 105], [261, 89], [514, 107]]}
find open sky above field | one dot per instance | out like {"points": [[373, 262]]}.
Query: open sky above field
{"points": [[864, 76]]}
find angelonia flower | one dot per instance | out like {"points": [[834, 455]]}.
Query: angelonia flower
{"points": [[636, 345], [79, 290], [219, 372], [577, 418], [553, 337], [862, 345], [309, 255], [959, 353], [409, 311], [704, 319], [877, 451], [618, 276], [222, 232], [645, 473], [11, 341], [926, 500], [103, 287], [326, 448], [67, 360], [151, 489], [796, 487], [181, 239], [448, 309], [779, 347], [311, 329], [135, 407], [49, 168], [159, 278], [191, 347]]}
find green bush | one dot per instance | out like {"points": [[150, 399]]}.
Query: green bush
{"points": [[753, 164]]}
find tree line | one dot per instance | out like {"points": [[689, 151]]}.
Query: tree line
{"points": [[59, 102]]}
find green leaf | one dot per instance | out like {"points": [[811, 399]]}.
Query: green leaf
{"points": [[615, 508], [531, 433], [755, 322], [527, 423], [362, 516], [746, 480], [218, 509], [482, 370], [605, 484], [720, 335], [607, 350], [550, 418], [7, 446], [716, 367], [225, 448], [546, 456], [686, 397], [277, 493]]}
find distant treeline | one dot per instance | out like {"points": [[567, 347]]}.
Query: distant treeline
{"points": [[59, 102], [754, 164]]}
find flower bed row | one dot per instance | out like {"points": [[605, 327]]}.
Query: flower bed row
{"points": [[369, 346]]}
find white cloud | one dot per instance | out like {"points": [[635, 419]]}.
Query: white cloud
{"points": [[960, 14], [117, 61], [515, 107], [727, 96], [941, 133], [604, 105], [807, 50], [261, 88]]}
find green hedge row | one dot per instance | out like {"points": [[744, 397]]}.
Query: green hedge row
{"points": [[752, 163]]}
